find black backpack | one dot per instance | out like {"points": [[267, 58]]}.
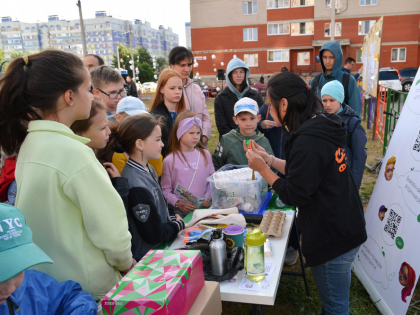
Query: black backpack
{"points": [[345, 82], [352, 124]]}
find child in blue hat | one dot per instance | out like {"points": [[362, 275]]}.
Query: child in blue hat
{"points": [[333, 100], [32, 292]]}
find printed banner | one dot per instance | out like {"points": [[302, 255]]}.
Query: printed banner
{"points": [[388, 264]]}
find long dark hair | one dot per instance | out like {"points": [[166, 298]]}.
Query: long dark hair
{"points": [[31, 88], [130, 130], [242, 86], [303, 103]]}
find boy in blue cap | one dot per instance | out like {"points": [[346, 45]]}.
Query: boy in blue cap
{"points": [[333, 100], [31, 292]]}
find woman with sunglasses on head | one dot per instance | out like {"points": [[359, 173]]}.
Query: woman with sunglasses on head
{"points": [[319, 183]]}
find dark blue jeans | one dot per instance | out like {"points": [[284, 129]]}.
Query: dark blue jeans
{"points": [[332, 280]]}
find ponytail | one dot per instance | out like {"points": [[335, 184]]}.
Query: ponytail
{"points": [[31, 87], [302, 102]]}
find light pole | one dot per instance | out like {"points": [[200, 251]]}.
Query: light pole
{"points": [[332, 24], [49, 34], [131, 50], [82, 26]]}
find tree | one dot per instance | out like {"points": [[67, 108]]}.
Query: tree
{"points": [[141, 55], [13, 55], [146, 73], [161, 64]]}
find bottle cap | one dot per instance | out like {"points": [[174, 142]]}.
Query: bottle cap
{"points": [[234, 229], [255, 237]]}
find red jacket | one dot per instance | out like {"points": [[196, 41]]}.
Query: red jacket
{"points": [[7, 176]]}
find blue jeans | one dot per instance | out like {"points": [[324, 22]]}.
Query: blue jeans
{"points": [[332, 280]]}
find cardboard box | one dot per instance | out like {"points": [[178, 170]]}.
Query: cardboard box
{"points": [[163, 282], [209, 301]]}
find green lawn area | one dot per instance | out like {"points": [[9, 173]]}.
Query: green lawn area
{"points": [[291, 297]]}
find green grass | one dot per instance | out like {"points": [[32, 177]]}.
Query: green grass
{"points": [[291, 296]]}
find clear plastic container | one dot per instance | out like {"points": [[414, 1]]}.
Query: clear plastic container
{"points": [[232, 186], [194, 233]]}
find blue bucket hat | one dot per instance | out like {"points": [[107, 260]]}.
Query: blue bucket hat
{"points": [[17, 251], [334, 89]]}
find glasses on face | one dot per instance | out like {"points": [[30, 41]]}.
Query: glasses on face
{"points": [[404, 275], [114, 95]]}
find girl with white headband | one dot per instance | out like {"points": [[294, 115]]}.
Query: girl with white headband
{"points": [[187, 167]]}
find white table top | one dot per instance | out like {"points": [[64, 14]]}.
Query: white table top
{"points": [[230, 291]]}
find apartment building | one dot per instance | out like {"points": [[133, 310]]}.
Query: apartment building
{"points": [[270, 34], [103, 33]]}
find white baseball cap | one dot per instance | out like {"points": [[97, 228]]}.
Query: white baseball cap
{"points": [[246, 104], [131, 105]]}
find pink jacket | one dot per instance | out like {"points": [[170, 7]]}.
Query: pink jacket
{"points": [[195, 101], [183, 173]]}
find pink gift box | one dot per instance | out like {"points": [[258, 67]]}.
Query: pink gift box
{"points": [[163, 282]]}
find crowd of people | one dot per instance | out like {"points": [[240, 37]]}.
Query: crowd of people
{"points": [[95, 175]]}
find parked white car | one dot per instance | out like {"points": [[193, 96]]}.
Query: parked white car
{"points": [[390, 77], [149, 87]]}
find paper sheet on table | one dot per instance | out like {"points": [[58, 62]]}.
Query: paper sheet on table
{"points": [[259, 286]]}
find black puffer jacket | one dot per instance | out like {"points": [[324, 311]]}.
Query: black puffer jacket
{"points": [[162, 112], [223, 108]]}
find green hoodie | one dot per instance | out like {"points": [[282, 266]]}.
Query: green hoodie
{"points": [[76, 215], [230, 149]]}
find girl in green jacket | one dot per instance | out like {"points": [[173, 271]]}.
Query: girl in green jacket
{"points": [[76, 216]]}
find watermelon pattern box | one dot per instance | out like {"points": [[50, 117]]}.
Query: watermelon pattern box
{"points": [[163, 282]]}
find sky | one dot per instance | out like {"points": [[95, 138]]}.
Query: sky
{"points": [[169, 13]]}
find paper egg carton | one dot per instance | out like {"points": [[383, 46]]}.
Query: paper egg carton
{"points": [[272, 223]]}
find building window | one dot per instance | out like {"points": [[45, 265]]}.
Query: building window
{"points": [[365, 26], [337, 31], [359, 56], [278, 55], [275, 4], [278, 29], [398, 55], [302, 3], [251, 60], [367, 2], [303, 58], [337, 4], [249, 7], [250, 34], [302, 28]]}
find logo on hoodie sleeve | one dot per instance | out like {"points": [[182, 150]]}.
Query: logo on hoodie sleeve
{"points": [[341, 159]]}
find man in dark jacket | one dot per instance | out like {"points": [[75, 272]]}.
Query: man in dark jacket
{"points": [[331, 57], [348, 65], [132, 89]]}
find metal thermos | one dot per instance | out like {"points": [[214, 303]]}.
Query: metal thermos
{"points": [[218, 255]]}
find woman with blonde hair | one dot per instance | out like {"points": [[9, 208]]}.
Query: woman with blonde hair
{"points": [[168, 103]]}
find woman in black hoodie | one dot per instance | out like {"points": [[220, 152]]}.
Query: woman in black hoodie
{"points": [[319, 183]]}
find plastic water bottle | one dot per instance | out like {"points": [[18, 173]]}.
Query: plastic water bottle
{"points": [[218, 254], [254, 255]]}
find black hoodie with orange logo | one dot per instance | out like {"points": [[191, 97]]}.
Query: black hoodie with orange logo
{"points": [[320, 183]]}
